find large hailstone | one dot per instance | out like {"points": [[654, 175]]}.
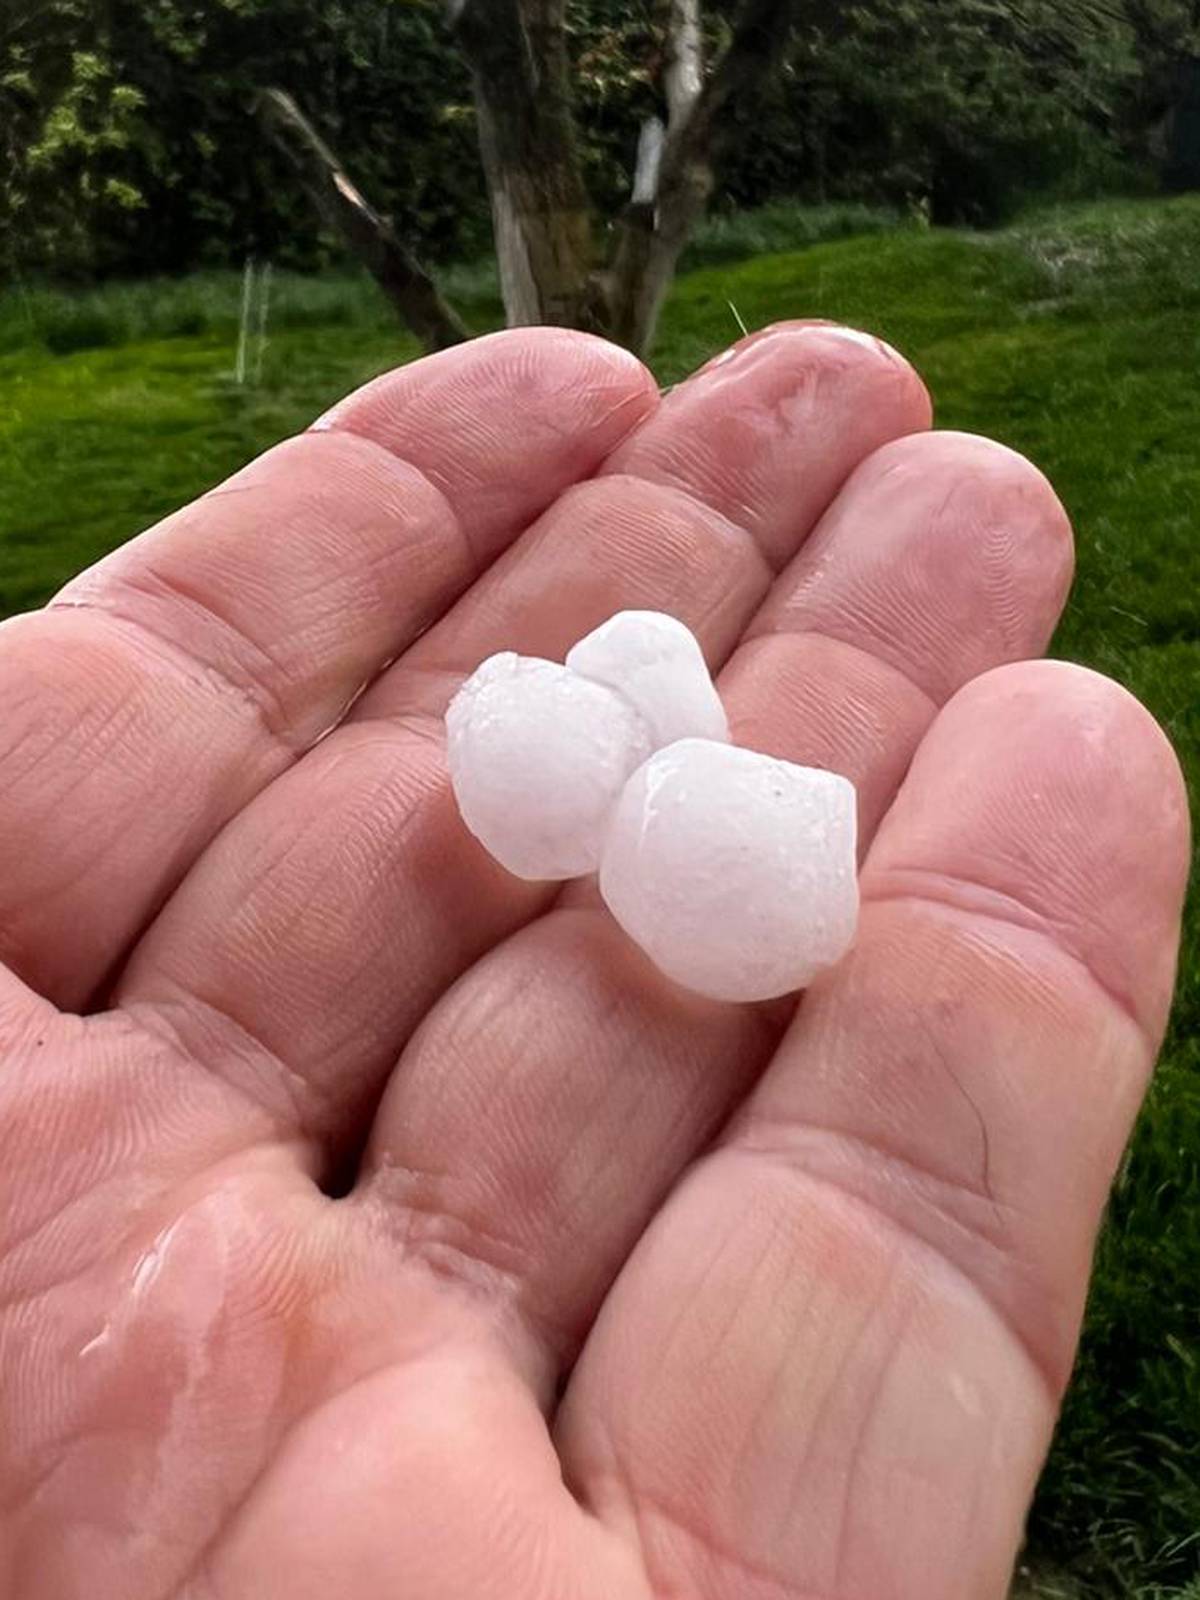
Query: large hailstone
{"points": [[538, 755], [734, 872], [539, 752], [657, 665]]}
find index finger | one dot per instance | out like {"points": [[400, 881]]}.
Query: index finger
{"points": [[171, 682]]}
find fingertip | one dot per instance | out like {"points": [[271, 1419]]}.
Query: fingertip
{"points": [[856, 348], [503, 424], [943, 555], [1004, 478], [1053, 787], [767, 432]]}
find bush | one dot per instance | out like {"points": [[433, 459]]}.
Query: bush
{"points": [[127, 143]]}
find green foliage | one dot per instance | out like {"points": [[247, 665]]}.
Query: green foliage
{"points": [[954, 110], [68, 125], [1164, 113], [781, 225], [209, 301], [126, 142], [130, 143]]}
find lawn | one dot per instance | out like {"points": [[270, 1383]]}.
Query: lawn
{"points": [[1075, 337]]}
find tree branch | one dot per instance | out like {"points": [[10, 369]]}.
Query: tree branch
{"points": [[683, 75], [760, 31], [651, 237], [649, 160], [392, 264]]}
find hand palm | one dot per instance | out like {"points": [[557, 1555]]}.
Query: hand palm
{"points": [[823, 1362]]}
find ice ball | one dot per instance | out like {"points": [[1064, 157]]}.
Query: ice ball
{"points": [[657, 664], [733, 871], [538, 755]]}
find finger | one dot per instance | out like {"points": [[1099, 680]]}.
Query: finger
{"points": [[24, 1017], [668, 526], [870, 1292], [179, 676], [341, 905], [709, 436], [540, 1134]]}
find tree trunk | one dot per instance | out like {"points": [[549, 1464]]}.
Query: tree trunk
{"points": [[683, 76], [517, 51], [369, 236], [518, 56], [651, 238], [653, 233]]}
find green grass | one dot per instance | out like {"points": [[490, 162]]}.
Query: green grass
{"points": [[739, 235], [1074, 337]]}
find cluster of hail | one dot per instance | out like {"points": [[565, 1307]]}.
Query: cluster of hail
{"points": [[733, 871]]}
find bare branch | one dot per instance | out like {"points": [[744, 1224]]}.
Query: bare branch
{"points": [[392, 264], [649, 160], [651, 237], [683, 75], [760, 30]]}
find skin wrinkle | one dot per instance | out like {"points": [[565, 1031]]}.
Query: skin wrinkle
{"points": [[46, 742], [373, 447], [979, 901], [887, 596], [88, 1173], [261, 666], [253, 696], [255, 671], [121, 715], [784, 629], [172, 1019], [487, 1267], [687, 502], [649, 1508], [451, 669], [846, 1358], [985, 1177], [1050, 1376], [868, 1406], [998, 550], [744, 532], [456, 398], [777, 1135]]}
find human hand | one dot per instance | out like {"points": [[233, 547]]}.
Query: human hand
{"points": [[632, 1294]]}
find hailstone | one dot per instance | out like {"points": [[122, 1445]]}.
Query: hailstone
{"points": [[733, 871], [538, 755], [538, 752], [657, 664]]}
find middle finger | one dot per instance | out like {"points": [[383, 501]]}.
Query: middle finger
{"points": [[310, 940]]}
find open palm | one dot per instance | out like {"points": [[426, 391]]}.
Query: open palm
{"points": [[373, 1224]]}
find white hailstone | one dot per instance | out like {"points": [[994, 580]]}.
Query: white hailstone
{"points": [[733, 871], [537, 756], [656, 663]]}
